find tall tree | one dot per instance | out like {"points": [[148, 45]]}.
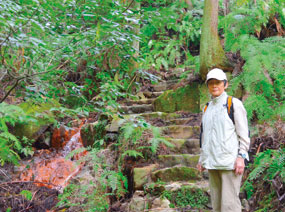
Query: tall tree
{"points": [[211, 50]]}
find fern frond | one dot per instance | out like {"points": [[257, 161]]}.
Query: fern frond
{"points": [[132, 153]]}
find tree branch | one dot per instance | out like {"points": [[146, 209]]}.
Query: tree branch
{"points": [[128, 7], [28, 76]]}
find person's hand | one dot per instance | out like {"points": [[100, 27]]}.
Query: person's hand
{"points": [[200, 167], [239, 166]]}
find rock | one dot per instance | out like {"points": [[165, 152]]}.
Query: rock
{"points": [[176, 174], [162, 115], [92, 132], [204, 95], [183, 99], [182, 159], [142, 174], [245, 205], [137, 203], [185, 146], [44, 118], [137, 108], [161, 205], [116, 123], [181, 131], [173, 186]]}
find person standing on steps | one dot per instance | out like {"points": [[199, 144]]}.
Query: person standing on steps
{"points": [[224, 144]]}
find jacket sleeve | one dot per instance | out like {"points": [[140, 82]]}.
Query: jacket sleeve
{"points": [[241, 124]]}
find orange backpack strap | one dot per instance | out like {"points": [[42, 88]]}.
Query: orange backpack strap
{"points": [[230, 108], [230, 101], [206, 106]]}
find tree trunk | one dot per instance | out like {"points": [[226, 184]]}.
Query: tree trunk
{"points": [[226, 7], [189, 4], [211, 51]]}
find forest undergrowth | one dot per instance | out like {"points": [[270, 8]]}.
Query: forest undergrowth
{"points": [[85, 57]]}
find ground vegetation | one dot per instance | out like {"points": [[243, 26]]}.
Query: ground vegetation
{"points": [[87, 57]]}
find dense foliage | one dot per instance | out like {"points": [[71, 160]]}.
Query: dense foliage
{"points": [[10, 145], [263, 77], [89, 55], [267, 176]]}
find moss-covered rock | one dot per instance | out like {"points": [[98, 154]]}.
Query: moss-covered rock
{"points": [[116, 123], [43, 116], [142, 174], [183, 99], [204, 95], [92, 132], [176, 174], [188, 195], [182, 159]]}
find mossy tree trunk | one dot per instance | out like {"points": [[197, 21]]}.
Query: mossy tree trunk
{"points": [[211, 51]]}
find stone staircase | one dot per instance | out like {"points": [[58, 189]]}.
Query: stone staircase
{"points": [[175, 167]]}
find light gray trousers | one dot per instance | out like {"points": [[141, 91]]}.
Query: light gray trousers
{"points": [[225, 187]]}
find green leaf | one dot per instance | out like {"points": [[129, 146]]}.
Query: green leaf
{"points": [[27, 194]]}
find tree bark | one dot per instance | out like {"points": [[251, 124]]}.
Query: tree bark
{"points": [[189, 4], [226, 7], [211, 51]]}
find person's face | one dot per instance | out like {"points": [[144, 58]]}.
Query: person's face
{"points": [[216, 87]]}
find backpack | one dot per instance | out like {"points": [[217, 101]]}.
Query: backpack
{"points": [[229, 105]]}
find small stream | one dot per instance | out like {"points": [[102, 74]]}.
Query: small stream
{"points": [[51, 167]]}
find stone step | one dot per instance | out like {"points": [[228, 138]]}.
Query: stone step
{"points": [[161, 115], [175, 73], [117, 122], [177, 173], [190, 121], [139, 102], [150, 94], [165, 85], [173, 186], [187, 160], [184, 146], [181, 131], [137, 109]]}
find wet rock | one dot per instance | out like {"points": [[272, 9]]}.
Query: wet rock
{"points": [[43, 141], [142, 174], [184, 98], [176, 174]]}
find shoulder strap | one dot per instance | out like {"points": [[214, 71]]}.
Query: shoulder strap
{"points": [[206, 106], [201, 127], [230, 108]]}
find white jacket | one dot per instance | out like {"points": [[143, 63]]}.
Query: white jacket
{"points": [[221, 138]]}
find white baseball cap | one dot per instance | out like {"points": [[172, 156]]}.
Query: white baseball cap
{"points": [[216, 73]]}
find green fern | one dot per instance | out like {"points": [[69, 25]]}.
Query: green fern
{"points": [[158, 139], [10, 145], [132, 153], [132, 138], [267, 166], [263, 76]]}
